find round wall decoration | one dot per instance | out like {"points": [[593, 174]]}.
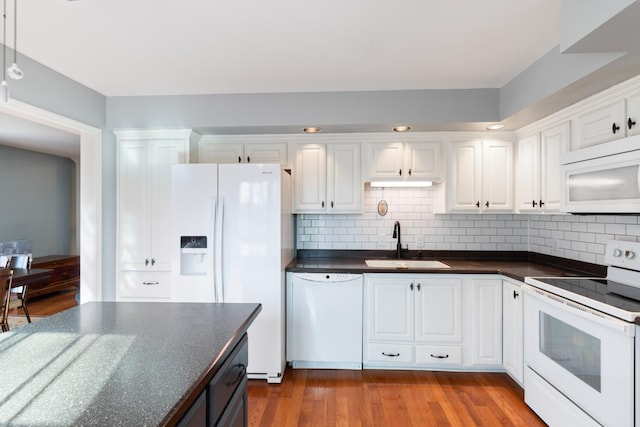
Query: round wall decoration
{"points": [[382, 208]]}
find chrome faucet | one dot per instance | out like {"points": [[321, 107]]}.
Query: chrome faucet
{"points": [[396, 235]]}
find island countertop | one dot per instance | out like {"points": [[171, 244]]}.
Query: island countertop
{"points": [[116, 363]]}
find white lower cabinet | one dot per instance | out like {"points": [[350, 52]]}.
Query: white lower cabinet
{"points": [[512, 330], [432, 321], [487, 322], [412, 320]]}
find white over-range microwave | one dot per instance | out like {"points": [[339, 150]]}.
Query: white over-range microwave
{"points": [[602, 179]]}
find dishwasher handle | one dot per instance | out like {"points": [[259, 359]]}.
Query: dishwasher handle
{"points": [[327, 277]]}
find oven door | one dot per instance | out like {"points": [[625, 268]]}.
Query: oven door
{"points": [[586, 355]]}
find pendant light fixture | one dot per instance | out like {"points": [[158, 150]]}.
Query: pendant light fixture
{"points": [[4, 87], [14, 71]]}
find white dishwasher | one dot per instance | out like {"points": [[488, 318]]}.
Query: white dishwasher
{"points": [[326, 320]]}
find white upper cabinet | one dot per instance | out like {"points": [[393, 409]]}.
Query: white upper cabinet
{"points": [[538, 169], [497, 176], [633, 114], [144, 200], [327, 179], [601, 124], [480, 178], [214, 149], [606, 121], [404, 161]]}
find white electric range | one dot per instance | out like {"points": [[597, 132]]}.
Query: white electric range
{"points": [[580, 346]]}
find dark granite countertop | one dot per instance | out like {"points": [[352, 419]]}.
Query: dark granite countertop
{"points": [[116, 364], [516, 265]]}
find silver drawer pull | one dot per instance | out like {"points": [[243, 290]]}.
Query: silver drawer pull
{"points": [[150, 283], [390, 354], [439, 356]]}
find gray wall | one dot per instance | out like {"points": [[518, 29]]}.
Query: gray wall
{"points": [[37, 199]]}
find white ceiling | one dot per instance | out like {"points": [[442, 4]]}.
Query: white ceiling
{"points": [[167, 47]]}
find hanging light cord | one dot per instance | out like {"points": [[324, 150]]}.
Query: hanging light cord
{"points": [[15, 30], [4, 42]]}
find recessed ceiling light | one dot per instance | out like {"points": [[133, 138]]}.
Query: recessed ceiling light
{"points": [[496, 126], [311, 130], [403, 128]]}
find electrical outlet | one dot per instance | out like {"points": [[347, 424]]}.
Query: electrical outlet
{"points": [[419, 241]]}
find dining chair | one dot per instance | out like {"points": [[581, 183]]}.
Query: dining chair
{"points": [[20, 292], [6, 276]]}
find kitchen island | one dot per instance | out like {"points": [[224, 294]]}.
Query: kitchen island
{"points": [[123, 363]]}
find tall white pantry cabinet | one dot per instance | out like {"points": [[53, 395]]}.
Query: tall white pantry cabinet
{"points": [[144, 200]]}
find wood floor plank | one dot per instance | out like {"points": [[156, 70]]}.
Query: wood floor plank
{"points": [[389, 398]]}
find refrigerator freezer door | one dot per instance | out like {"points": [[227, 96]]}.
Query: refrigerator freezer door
{"points": [[251, 257]]}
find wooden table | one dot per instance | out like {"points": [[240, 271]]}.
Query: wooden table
{"points": [[25, 277], [28, 276]]}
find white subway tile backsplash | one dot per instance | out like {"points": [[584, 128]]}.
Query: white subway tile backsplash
{"points": [[579, 237]]}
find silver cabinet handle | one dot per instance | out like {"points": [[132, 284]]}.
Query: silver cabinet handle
{"points": [[150, 283]]}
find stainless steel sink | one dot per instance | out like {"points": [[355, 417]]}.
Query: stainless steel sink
{"points": [[405, 263]]}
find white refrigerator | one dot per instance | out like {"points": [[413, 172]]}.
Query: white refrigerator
{"points": [[233, 236]]}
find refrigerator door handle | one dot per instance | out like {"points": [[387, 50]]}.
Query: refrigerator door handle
{"points": [[217, 265]]}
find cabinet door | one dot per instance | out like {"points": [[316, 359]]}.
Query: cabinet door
{"points": [[344, 184], [133, 219], [633, 114], [439, 310], [387, 160], [390, 309], [162, 155], [466, 176], [599, 125], [497, 176], [423, 160], [554, 143], [487, 322], [310, 179], [216, 152], [266, 153], [512, 332], [528, 174]]}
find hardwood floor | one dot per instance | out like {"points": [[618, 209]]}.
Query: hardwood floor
{"points": [[49, 304], [369, 397], [389, 398]]}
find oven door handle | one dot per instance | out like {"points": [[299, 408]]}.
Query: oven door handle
{"points": [[580, 310]]}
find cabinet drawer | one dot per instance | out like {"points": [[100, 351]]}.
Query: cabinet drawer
{"points": [[438, 355], [395, 353], [141, 284], [232, 375]]}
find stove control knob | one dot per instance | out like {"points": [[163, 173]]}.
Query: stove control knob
{"points": [[629, 254], [617, 253]]}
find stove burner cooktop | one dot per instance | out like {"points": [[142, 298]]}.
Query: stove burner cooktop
{"points": [[622, 297]]}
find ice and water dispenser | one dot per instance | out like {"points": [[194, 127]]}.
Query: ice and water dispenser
{"points": [[193, 255]]}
